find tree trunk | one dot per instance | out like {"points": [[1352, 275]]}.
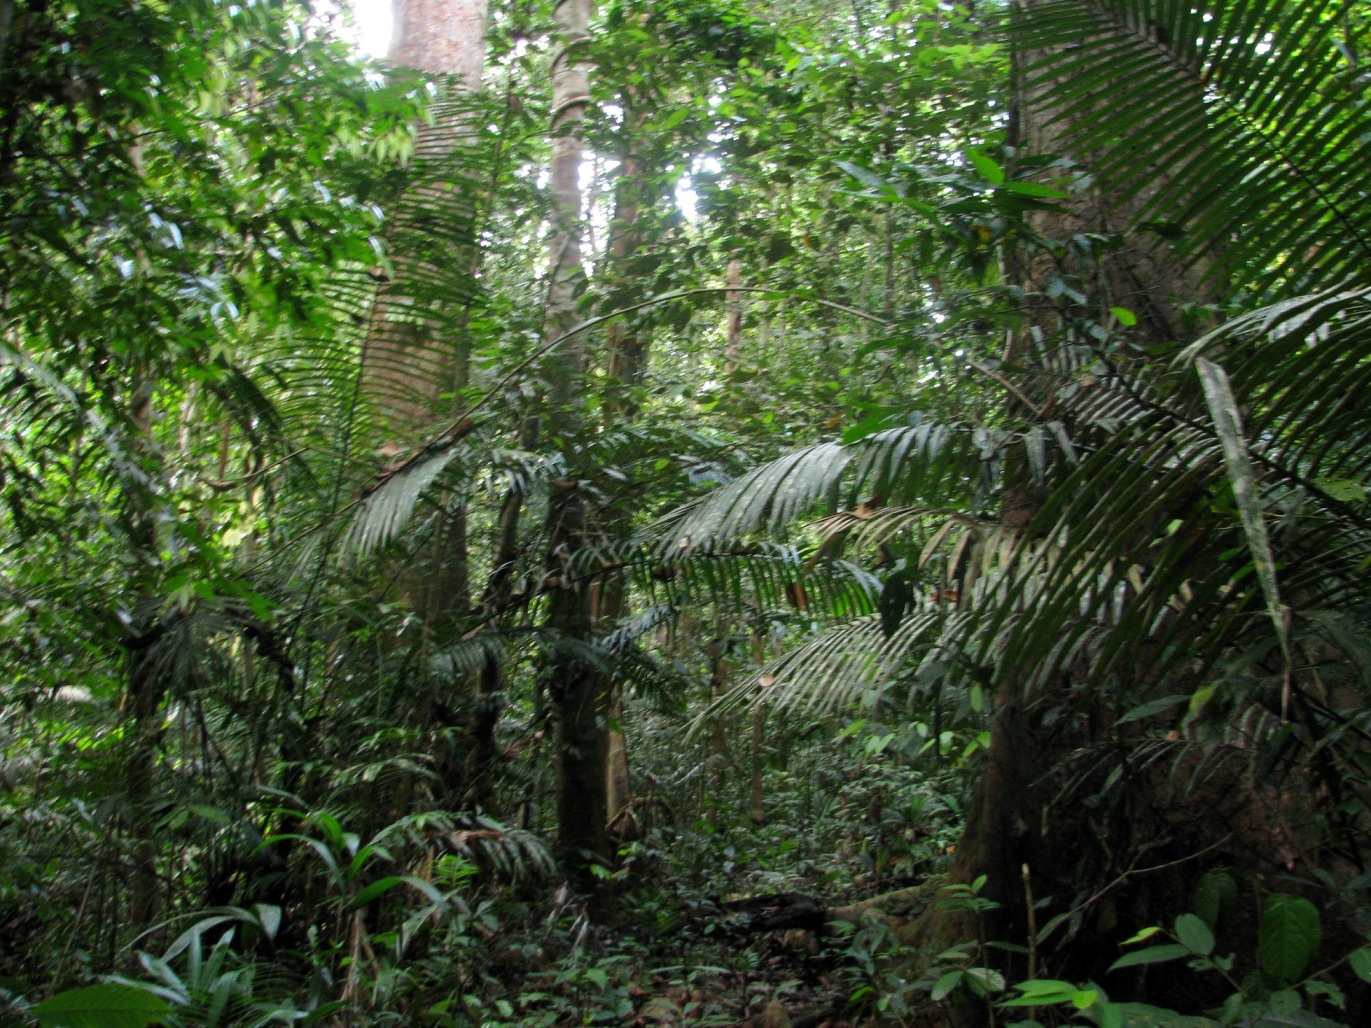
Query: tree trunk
{"points": [[415, 351], [1015, 837], [577, 691], [733, 327], [416, 361], [757, 798], [141, 709], [441, 37], [489, 701], [626, 345]]}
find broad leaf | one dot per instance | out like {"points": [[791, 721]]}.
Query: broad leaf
{"points": [[1289, 937], [112, 1005], [1194, 934]]}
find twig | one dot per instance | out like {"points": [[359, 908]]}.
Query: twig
{"points": [[1130, 873]]}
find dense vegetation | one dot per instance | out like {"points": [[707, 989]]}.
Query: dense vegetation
{"points": [[765, 512]]}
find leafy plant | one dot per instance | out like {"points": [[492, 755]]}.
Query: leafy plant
{"points": [[1281, 994]]}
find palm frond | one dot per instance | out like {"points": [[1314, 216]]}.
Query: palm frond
{"points": [[467, 657], [1234, 115], [1137, 570], [387, 508], [839, 668], [928, 461], [384, 512], [764, 576], [504, 854], [652, 677]]}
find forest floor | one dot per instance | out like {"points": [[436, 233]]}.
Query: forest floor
{"points": [[783, 960]]}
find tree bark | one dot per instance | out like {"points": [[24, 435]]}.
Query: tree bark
{"points": [[441, 37], [413, 355], [416, 359], [626, 358], [141, 709], [579, 694], [1014, 835]]}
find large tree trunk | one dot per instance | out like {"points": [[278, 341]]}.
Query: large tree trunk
{"points": [[1022, 845], [441, 37], [416, 362], [415, 351], [421, 357]]}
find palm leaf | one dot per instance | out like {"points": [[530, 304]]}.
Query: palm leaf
{"points": [[1138, 567], [761, 576], [928, 461], [1223, 407], [1232, 115], [387, 508]]}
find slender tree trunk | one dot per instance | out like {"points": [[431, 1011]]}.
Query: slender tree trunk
{"points": [[579, 694], [757, 811], [718, 727], [626, 361], [482, 752], [144, 688], [757, 797], [625, 342], [733, 328]]}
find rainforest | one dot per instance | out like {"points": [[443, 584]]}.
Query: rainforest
{"points": [[654, 512]]}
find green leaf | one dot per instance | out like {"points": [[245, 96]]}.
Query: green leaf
{"points": [[1349, 490], [376, 889], [983, 981], [268, 917], [1146, 710], [1201, 697], [1216, 897], [102, 1006], [867, 426], [1360, 959], [1223, 409], [1126, 317], [383, 885], [1195, 934], [1144, 934], [1289, 936], [985, 167], [1151, 955], [1034, 189], [945, 985], [865, 176], [1084, 999], [1040, 992], [214, 814]]}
